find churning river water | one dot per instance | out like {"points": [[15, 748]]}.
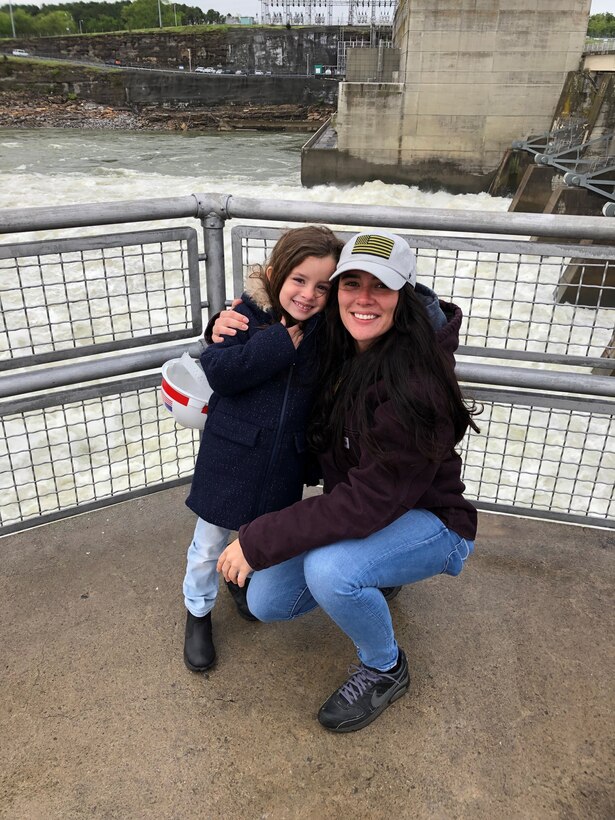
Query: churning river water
{"points": [[57, 166]]}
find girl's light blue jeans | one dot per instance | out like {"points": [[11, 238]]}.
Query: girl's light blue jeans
{"points": [[345, 580], [201, 580]]}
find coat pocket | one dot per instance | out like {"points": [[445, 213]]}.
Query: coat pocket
{"points": [[231, 429]]}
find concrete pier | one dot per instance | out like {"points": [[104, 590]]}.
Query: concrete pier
{"points": [[509, 714], [473, 76]]}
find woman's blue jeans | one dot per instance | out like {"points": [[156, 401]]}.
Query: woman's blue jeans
{"points": [[344, 579]]}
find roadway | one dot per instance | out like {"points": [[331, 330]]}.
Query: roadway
{"points": [[123, 66]]}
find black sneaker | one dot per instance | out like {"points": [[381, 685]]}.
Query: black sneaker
{"points": [[363, 697], [199, 650], [390, 592], [239, 595]]}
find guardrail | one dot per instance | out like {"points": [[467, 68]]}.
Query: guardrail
{"points": [[603, 46], [87, 322]]}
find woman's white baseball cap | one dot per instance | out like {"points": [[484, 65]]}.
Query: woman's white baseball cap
{"points": [[384, 255]]}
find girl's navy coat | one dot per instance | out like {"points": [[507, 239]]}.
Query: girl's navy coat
{"points": [[252, 454]]}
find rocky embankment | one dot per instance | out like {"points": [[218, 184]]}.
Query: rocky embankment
{"points": [[28, 110]]}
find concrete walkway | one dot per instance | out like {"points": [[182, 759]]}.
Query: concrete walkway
{"points": [[510, 714]]}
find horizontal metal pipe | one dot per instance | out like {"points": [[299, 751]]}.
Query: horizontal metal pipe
{"points": [[233, 207], [532, 379], [102, 213], [578, 227], [50, 378]]}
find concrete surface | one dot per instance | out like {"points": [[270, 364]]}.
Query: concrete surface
{"points": [[473, 77], [509, 714]]}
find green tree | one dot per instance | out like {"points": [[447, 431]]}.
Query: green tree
{"points": [[24, 23], [97, 15], [190, 15], [213, 17], [103, 22], [6, 29], [601, 25], [54, 23], [144, 14], [31, 10]]}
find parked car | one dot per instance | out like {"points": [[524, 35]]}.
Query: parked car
{"points": [[258, 73], [219, 71], [200, 70], [19, 52], [210, 70]]}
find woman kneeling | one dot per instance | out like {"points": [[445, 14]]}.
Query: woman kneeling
{"points": [[385, 427]]}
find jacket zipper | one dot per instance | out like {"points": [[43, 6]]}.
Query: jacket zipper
{"points": [[276, 442], [278, 435]]}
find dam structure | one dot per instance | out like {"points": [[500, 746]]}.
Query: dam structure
{"points": [[473, 76]]}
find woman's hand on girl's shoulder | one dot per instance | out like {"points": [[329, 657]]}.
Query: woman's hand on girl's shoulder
{"points": [[295, 332], [228, 323]]}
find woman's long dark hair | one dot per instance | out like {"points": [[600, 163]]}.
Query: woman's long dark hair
{"points": [[404, 356]]}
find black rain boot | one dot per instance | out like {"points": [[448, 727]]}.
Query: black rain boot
{"points": [[199, 650], [239, 595]]}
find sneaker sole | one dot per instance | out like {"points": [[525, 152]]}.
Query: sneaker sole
{"points": [[354, 727]]}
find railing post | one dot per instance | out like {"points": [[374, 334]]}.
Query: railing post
{"points": [[213, 236]]}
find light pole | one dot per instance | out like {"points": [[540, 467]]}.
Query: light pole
{"points": [[80, 26], [159, 14], [12, 20]]}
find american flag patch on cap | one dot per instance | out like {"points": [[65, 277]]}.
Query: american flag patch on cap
{"points": [[373, 244]]}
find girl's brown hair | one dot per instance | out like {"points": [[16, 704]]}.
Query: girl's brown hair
{"points": [[290, 250]]}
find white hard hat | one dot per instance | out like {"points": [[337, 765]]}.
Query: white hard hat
{"points": [[185, 391]]}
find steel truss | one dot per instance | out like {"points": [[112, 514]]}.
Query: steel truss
{"points": [[328, 12]]}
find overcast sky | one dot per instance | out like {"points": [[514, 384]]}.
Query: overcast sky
{"points": [[253, 7], [599, 6]]}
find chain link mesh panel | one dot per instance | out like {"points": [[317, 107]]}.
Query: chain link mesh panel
{"points": [[539, 459], [90, 451], [67, 297]]}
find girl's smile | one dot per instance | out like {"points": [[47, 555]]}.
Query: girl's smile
{"points": [[367, 307], [306, 289]]}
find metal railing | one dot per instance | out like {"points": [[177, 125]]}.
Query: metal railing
{"points": [[96, 294], [566, 133], [600, 46], [588, 165], [82, 425], [583, 163]]}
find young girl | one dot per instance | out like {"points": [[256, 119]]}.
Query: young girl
{"points": [[252, 454]]}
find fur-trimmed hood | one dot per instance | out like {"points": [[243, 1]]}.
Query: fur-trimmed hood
{"points": [[254, 288]]}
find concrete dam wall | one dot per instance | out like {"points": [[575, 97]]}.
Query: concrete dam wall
{"points": [[474, 75]]}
